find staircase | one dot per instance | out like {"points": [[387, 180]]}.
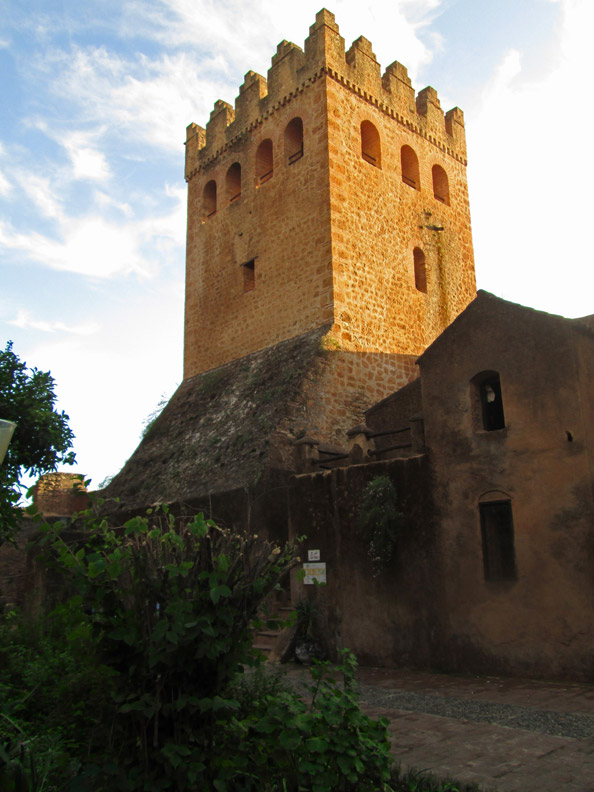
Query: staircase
{"points": [[276, 606]]}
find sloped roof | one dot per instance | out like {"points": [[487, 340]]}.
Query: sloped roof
{"points": [[214, 434], [487, 307]]}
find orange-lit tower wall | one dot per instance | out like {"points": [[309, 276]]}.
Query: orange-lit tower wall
{"points": [[328, 197]]}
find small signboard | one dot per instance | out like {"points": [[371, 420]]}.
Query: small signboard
{"points": [[315, 571], [313, 555]]}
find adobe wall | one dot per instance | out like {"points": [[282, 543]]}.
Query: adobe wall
{"points": [[540, 623], [388, 619]]}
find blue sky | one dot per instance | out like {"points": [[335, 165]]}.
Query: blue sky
{"points": [[96, 98]]}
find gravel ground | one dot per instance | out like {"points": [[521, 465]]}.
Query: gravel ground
{"points": [[559, 724], [545, 721]]}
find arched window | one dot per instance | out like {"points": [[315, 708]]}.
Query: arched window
{"points": [[441, 188], [410, 167], [233, 182], [420, 270], [497, 535], [264, 162], [370, 144], [487, 401], [294, 140], [209, 199]]}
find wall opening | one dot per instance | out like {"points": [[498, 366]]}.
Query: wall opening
{"points": [[497, 532], [209, 199], [249, 275], [294, 140], [441, 187], [370, 144], [487, 401], [420, 270], [410, 167], [233, 182], [264, 167]]}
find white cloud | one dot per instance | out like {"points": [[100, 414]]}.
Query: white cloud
{"points": [[245, 35], [95, 247], [149, 101], [153, 99], [529, 175], [87, 161], [24, 320]]}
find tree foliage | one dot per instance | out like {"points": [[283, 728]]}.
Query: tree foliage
{"points": [[42, 439]]}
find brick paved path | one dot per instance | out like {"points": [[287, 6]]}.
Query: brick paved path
{"points": [[505, 734]]}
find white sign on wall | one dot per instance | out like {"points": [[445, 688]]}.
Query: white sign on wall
{"points": [[315, 571], [313, 555]]}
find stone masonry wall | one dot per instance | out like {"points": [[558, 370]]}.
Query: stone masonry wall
{"points": [[60, 494], [378, 220], [328, 236], [282, 226], [340, 386]]}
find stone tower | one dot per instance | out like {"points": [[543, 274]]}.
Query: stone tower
{"points": [[328, 245], [328, 196]]}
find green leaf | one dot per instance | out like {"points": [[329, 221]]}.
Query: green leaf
{"points": [[96, 567], [160, 630], [289, 740], [317, 744]]}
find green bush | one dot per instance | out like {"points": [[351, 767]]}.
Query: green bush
{"points": [[171, 604], [324, 744], [54, 697]]}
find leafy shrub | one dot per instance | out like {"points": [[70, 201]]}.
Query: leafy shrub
{"points": [[327, 744], [54, 696], [171, 604]]}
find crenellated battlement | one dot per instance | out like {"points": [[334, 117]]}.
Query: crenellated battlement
{"points": [[294, 69]]}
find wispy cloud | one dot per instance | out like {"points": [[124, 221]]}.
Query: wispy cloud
{"points": [[42, 193], [105, 200], [24, 320], [94, 247], [139, 98]]}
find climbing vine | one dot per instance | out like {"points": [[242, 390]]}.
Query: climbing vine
{"points": [[380, 521]]}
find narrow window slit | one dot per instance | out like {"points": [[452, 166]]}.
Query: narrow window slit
{"points": [[249, 275]]}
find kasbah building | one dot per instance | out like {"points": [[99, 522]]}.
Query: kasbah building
{"points": [[335, 342]]}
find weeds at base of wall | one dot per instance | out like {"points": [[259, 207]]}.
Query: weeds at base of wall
{"points": [[413, 780], [328, 344]]}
